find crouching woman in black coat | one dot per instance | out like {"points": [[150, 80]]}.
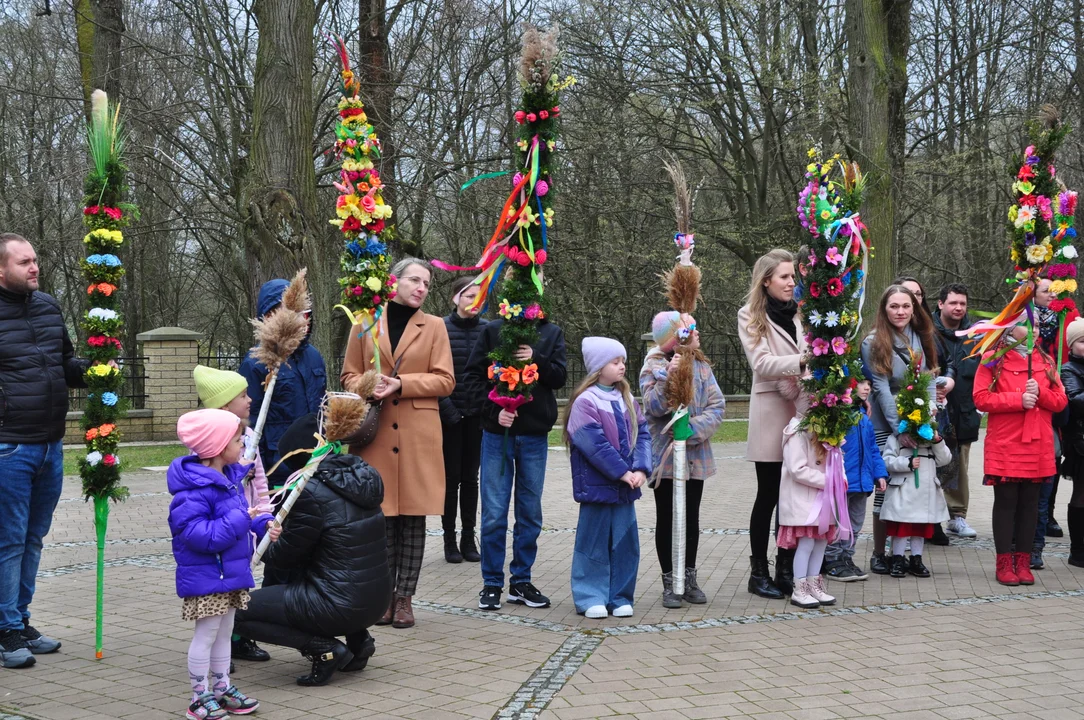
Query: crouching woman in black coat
{"points": [[334, 548]]}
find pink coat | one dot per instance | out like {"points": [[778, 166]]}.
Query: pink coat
{"points": [[774, 357], [256, 486], [801, 485]]}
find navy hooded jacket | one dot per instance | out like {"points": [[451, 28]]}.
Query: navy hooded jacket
{"points": [[299, 389]]}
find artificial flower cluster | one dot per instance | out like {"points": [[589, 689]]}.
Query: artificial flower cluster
{"points": [[829, 292], [509, 311], [361, 213], [1062, 269], [913, 403], [512, 376], [105, 214]]}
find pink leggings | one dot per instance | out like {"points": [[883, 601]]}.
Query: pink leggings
{"points": [[210, 653]]}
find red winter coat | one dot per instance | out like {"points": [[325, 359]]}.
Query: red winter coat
{"points": [[1019, 443]]}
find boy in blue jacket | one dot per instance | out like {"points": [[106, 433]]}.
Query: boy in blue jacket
{"points": [[865, 469]]}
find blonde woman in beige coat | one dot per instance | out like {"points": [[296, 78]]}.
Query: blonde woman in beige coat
{"points": [[771, 333]]}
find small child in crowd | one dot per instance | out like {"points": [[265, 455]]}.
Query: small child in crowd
{"points": [[610, 450], [865, 471], [212, 528]]}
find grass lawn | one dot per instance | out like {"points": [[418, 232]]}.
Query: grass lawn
{"points": [[733, 431], [131, 458]]}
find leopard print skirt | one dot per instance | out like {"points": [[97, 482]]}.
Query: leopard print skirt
{"points": [[203, 606]]}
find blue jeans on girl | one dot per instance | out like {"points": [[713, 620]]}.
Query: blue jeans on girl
{"points": [[606, 557]]}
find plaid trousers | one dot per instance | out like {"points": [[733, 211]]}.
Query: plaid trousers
{"points": [[406, 547]]}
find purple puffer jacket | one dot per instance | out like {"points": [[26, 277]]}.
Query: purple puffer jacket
{"points": [[600, 428], [208, 518]]}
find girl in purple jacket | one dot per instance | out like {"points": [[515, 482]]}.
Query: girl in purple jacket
{"points": [[211, 522], [610, 450]]}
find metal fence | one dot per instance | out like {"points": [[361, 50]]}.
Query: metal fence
{"points": [[134, 388]]}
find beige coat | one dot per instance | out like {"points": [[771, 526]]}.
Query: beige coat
{"points": [[408, 448], [773, 358]]}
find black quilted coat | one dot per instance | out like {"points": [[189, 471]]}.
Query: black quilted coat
{"points": [[335, 541], [470, 392], [37, 366]]}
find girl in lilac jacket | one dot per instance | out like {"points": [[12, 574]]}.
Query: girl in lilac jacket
{"points": [[610, 450], [212, 526]]}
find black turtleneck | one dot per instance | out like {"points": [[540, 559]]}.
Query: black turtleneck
{"points": [[398, 317], [782, 314]]}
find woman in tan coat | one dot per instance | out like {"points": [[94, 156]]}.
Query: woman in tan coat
{"points": [[407, 450], [772, 335]]}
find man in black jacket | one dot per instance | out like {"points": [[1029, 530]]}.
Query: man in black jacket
{"points": [[37, 366], [514, 451], [951, 317]]}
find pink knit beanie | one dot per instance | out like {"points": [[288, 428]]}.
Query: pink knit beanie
{"points": [[207, 432], [664, 329]]}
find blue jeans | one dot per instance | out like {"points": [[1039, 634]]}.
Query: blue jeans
{"points": [[524, 465], [31, 478], [606, 557], [843, 550], [1044, 514]]}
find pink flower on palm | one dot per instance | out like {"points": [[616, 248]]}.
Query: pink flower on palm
{"points": [[839, 345], [820, 346]]}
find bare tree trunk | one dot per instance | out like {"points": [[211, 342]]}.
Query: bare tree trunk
{"points": [[283, 224], [99, 25], [878, 36], [377, 92]]}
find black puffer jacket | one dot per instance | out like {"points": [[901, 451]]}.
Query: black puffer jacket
{"points": [[37, 366], [470, 392], [1072, 376], [334, 537], [961, 401]]}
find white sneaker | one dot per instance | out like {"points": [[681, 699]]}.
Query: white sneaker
{"points": [[596, 612], [801, 596], [815, 585], [958, 526], [623, 611]]}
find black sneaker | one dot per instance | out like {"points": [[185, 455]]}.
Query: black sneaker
{"points": [[14, 652], [841, 573], [39, 644], [527, 594], [859, 573], [490, 598], [878, 565], [246, 649]]}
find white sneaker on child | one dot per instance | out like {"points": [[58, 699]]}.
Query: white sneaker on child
{"points": [[815, 585], [623, 611], [596, 612]]}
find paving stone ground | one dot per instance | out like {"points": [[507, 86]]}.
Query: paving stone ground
{"points": [[957, 645]]}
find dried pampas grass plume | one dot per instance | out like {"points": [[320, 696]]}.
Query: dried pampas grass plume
{"points": [[683, 199], [1049, 116], [343, 413], [679, 385], [296, 297], [364, 384], [278, 336], [682, 284], [539, 55]]}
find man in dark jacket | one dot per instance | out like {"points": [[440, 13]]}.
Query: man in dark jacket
{"points": [[334, 545], [37, 366], [950, 317], [514, 451], [461, 424]]}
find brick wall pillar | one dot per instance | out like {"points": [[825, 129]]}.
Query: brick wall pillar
{"points": [[170, 354]]}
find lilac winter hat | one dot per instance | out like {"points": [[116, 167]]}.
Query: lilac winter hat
{"points": [[597, 351]]}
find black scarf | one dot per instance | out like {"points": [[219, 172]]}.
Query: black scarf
{"points": [[782, 314], [398, 317]]}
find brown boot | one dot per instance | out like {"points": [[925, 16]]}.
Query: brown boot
{"points": [[404, 613], [386, 618]]}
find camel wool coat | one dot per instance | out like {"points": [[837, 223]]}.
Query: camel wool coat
{"points": [[773, 358], [408, 448]]}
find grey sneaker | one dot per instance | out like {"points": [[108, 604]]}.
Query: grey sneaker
{"points": [[39, 644], [1037, 560], [669, 599], [14, 652], [693, 593], [841, 572]]}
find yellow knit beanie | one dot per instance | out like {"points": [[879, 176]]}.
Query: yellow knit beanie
{"points": [[217, 388]]}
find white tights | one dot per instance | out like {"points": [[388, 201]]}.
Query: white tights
{"points": [[808, 557], [899, 545], [210, 652]]}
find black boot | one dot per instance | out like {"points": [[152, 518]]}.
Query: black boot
{"points": [[245, 649], [898, 565], [784, 571], [327, 655], [939, 536], [363, 647], [916, 567], [1075, 521], [451, 550], [468, 547], [760, 582]]}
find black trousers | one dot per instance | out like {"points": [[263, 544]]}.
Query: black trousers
{"points": [[760, 520], [462, 456], [266, 621], [664, 522]]}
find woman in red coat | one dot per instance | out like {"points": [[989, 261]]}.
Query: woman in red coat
{"points": [[1019, 447]]}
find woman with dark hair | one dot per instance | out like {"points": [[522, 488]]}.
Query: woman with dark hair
{"points": [[461, 424], [898, 332]]}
